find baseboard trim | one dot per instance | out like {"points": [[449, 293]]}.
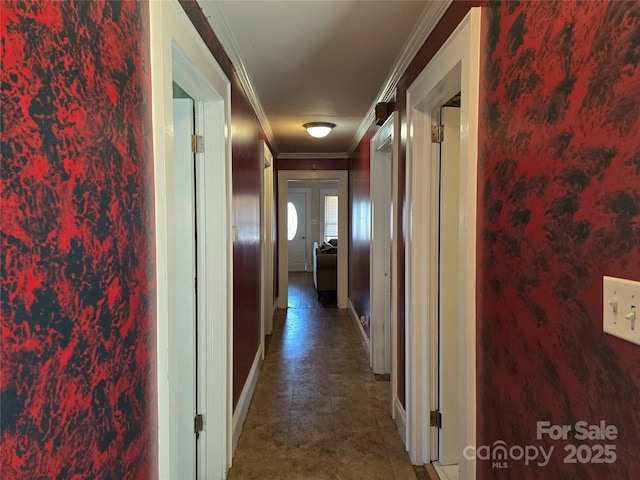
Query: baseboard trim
{"points": [[400, 417], [240, 414], [356, 319]]}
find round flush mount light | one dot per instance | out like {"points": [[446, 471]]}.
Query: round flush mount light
{"points": [[319, 129]]}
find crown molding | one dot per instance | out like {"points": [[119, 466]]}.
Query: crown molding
{"points": [[218, 22], [427, 22], [312, 156]]}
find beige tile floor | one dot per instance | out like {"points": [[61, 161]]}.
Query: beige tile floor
{"points": [[318, 412]]}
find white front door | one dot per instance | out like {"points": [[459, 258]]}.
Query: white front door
{"points": [[184, 370], [297, 231]]}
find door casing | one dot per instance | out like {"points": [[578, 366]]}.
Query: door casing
{"points": [[179, 54], [454, 68]]}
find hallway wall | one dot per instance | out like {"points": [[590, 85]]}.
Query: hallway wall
{"points": [[313, 164], [360, 227], [77, 365], [559, 207], [247, 167]]}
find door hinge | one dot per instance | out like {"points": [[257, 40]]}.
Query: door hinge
{"points": [[436, 419], [197, 144], [198, 424], [437, 133]]}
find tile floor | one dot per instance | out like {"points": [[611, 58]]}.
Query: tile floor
{"points": [[317, 411]]}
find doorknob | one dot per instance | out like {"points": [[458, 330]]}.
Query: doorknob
{"points": [[303, 238]]}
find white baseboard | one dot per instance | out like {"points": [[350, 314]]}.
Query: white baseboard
{"points": [[356, 319], [400, 417], [244, 401]]}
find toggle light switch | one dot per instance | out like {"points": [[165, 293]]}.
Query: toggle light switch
{"points": [[632, 317], [621, 299]]}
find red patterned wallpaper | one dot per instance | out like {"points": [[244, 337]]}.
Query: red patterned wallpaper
{"points": [[78, 286], [559, 208]]}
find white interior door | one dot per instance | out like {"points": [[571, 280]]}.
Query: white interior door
{"points": [[297, 231], [184, 369], [449, 314]]}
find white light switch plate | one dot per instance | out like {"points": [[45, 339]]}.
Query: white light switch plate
{"points": [[621, 303]]}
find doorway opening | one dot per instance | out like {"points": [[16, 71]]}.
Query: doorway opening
{"points": [[185, 329], [193, 249], [435, 431], [306, 208], [445, 392], [384, 268], [267, 243], [312, 235]]}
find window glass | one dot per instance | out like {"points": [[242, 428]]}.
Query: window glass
{"points": [[330, 217], [292, 219]]}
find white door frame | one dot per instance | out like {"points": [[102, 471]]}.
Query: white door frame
{"points": [[267, 242], [383, 278], [179, 54], [455, 68], [308, 243], [342, 176]]}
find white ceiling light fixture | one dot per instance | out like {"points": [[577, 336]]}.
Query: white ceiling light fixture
{"points": [[319, 129]]}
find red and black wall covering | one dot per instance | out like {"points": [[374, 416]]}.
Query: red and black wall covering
{"points": [[77, 232], [559, 198]]}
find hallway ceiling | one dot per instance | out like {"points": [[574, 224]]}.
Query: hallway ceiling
{"points": [[319, 60]]}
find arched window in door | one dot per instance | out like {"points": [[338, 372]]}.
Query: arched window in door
{"points": [[292, 221]]}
